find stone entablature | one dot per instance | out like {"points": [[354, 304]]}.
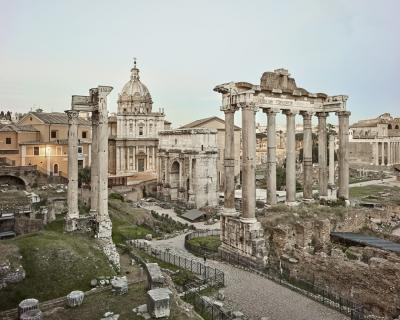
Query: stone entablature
{"points": [[187, 167]]}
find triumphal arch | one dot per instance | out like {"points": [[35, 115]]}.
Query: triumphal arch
{"points": [[277, 93]]}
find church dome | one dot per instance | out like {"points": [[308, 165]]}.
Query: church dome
{"points": [[135, 97], [134, 87]]}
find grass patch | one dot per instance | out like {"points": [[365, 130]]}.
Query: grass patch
{"points": [[55, 264], [373, 193], [209, 243]]}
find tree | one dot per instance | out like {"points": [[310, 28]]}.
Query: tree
{"points": [[39, 110]]}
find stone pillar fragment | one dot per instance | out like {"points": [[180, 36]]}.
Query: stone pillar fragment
{"points": [[229, 163], [290, 158], [343, 154], [73, 211], [322, 159], [307, 156], [103, 219], [248, 162], [271, 157], [331, 181], [94, 167]]}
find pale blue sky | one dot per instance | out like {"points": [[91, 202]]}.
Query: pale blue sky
{"points": [[50, 50]]}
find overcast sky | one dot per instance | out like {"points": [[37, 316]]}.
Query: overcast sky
{"points": [[50, 50]]}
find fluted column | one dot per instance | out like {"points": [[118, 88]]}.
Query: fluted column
{"points": [[322, 163], [331, 181], [307, 156], [248, 162], [73, 211], [94, 178], [382, 153], [290, 157], [229, 163], [103, 219], [343, 154], [271, 156]]}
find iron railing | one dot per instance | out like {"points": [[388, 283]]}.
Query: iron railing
{"points": [[307, 288], [208, 274]]}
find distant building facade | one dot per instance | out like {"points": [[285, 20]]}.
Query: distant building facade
{"points": [[44, 142], [219, 125], [375, 142], [187, 169], [134, 134]]}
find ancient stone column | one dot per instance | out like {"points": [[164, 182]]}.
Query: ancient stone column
{"points": [[73, 211], [271, 156], [248, 162], [331, 160], [322, 163], [382, 153], [307, 155], [290, 157], [103, 219], [343, 154], [229, 163], [94, 167]]}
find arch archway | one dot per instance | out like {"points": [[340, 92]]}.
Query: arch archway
{"points": [[174, 179], [13, 181], [389, 126]]}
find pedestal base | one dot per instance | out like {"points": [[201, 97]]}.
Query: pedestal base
{"points": [[229, 212], [332, 192], [243, 238], [292, 203], [71, 224]]}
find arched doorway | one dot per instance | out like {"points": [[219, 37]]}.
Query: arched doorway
{"points": [[174, 180], [55, 169]]}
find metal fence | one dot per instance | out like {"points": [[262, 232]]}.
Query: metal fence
{"points": [[210, 275], [307, 288], [206, 308]]}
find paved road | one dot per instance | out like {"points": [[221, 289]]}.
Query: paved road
{"points": [[255, 296]]}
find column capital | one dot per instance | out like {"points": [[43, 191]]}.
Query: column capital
{"points": [[270, 111], [231, 109], [289, 112], [307, 115], [248, 106], [72, 116], [343, 114], [322, 114]]}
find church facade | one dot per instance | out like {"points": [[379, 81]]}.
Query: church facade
{"points": [[133, 134]]}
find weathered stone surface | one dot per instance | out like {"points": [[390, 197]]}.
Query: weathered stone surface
{"points": [[154, 276], [120, 285], [28, 305], [158, 303], [31, 315], [75, 298]]}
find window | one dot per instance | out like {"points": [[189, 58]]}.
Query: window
{"points": [[79, 149], [53, 134], [131, 127], [8, 140], [150, 128], [140, 131], [84, 134], [35, 151]]}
